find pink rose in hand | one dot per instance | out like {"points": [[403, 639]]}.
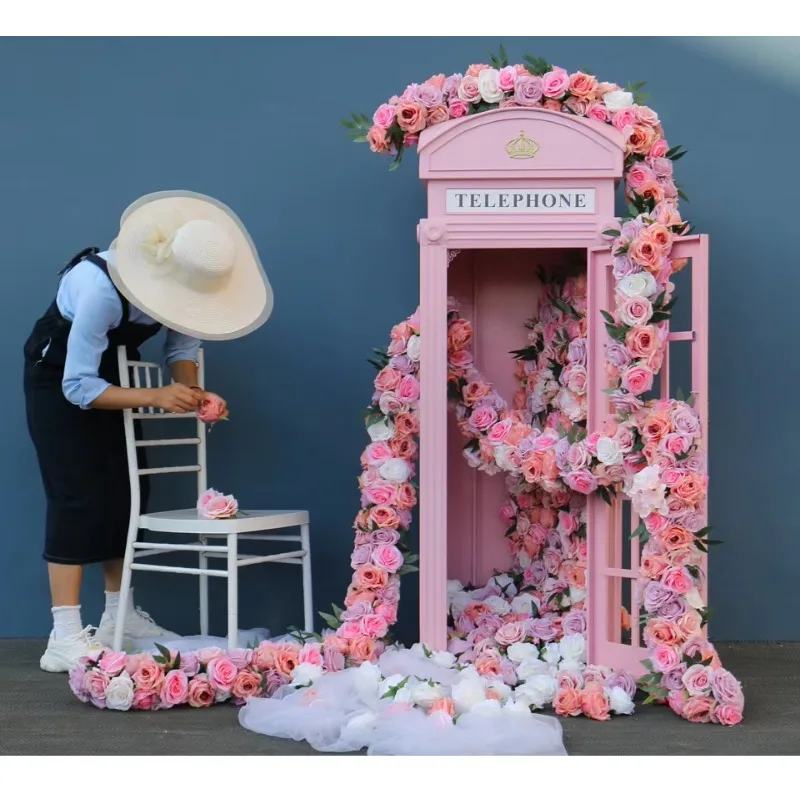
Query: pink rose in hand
{"points": [[212, 409], [175, 689], [215, 505]]}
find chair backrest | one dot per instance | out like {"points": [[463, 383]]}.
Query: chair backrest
{"points": [[146, 375]]}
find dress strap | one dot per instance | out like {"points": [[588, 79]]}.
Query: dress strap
{"points": [[75, 260]]}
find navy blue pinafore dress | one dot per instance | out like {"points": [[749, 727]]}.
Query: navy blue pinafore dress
{"points": [[81, 453]]}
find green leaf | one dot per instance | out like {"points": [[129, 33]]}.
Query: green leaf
{"points": [[701, 534], [612, 232], [503, 56], [604, 494], [407, 569], [332, 621], [659, 316], [164, 652], [608, 318]]}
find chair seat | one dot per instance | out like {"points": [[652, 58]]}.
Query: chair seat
{"points": [[189, 521]]}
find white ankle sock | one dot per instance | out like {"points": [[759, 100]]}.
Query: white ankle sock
{"points": [[66, 622], [112, 603]]}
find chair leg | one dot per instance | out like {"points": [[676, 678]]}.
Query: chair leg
{"points": [[308, 604], [124, 592], [203, 591], [233, 591]]}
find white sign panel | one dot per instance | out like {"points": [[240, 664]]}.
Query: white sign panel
{"points": [[520, 201]]}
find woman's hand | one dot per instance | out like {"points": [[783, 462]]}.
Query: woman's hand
{"points": [[175, 398]]}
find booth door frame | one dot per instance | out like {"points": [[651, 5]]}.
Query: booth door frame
{"points": [[605, 573]]}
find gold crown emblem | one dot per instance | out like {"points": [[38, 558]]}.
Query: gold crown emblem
{"points": [[522, 147]]}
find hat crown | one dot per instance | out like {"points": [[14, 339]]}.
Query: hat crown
{"points": [[203, 248]]}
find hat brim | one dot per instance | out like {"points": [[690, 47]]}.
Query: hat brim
{"points": [[231, 311]]}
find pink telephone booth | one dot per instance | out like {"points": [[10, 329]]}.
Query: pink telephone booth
{"points": [[510, 191]]}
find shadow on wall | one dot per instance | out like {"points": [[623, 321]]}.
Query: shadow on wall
{"points": [[91, 124]]}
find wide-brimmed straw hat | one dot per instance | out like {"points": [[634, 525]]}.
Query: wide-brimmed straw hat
{"points": [[187, 261]]}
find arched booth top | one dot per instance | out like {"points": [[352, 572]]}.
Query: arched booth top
{"points": [[519, 177], [521, 143]]}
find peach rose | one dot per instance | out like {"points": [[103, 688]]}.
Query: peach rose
{"points": [[642, 342], [698, 709], [200, 694], [582, 85], [653, 565], [406, 424], [264, 657], [438, 114], [660, 236], [384, 516], [652, 190], [676, 537], [443, 705], [378, 140], [369, 576], [690, 624], [643, 251], [641, 139], [476, 69], [362, 649], [489, 665], [661, 631], [567, 702], [247, 684], [387, 379], [287, 657], [594, 703], [411, 116], [149, 676], [691, 489]]}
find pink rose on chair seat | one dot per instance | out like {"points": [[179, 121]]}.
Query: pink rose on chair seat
{"points": [[175, 689], [200, 694], [217, 505], [212, 409], [113, 663], [388, 557], [221, 674]]}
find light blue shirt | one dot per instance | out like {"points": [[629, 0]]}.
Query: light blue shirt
{"points": [[87, 298]]}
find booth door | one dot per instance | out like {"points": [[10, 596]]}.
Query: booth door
{"points": [[615, 622]]}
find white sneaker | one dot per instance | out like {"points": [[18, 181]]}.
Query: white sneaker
{"points": [[138, 625], [64, 654]]}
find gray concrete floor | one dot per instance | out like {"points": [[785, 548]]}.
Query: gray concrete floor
{"points": [[39, 716]]}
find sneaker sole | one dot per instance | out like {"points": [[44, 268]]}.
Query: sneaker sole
{"points": [[53, 664]]}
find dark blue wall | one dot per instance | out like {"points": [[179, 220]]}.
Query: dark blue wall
{"points": [[88, 125]]}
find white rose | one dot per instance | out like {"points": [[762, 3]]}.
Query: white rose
{"points": [[544, 686], [469, 673], [488, 86], [367, 678], [119, 694], [517, 709], [651, 501], [647, 479], [529, 695], [608, 452], [693, 598], [523, 603], [498, 605], [570, 665], [530, 667], [412, 348], [502, 455], [616, 101], [551, 653], [381, 431], [501, 689], [418, 650], [643, 284], [504, 581], [305, 674], [361, 726], [487, 708], [524, 562], [425, 694], [387, 684], [395, 469], [576, 594], [467, 693], [454, 587], [573, 647], [522, 651], [619, 700], [444, 659], [459, 601]]}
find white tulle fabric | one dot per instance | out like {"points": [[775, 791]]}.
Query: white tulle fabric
{"points": [[343, 712]]}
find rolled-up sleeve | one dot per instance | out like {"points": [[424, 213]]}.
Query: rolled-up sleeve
{"points": [[180, 347], [98, 311]]}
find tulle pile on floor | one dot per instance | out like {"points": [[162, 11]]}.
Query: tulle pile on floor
{"points": [[346, 711]]}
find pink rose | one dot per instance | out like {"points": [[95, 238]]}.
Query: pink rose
{"points": [[388, 557], [149, 676], [113, 663], [678, 580], [665, 658], [207, 654], [95, 684], [77, 683], [240, 657], [457, 108], [555, 83], [676, 701], [637, 379], [212, 409], [483, 418], [498, 433], [380, 493], [506, 79], [727, 714], [175, 689], [598, 112], [377, 453], [581, 481], [200, 694], [698, 709], [658, 149], [727, 690], [624, 118], [247, 684], [384, 115], [311, 653], [698, 680], [387, 379], [221, 674], [509, 634], [217, 506], [635, 311], [408, 389], [190, 663], [332, 661], [374, 626], [468, 90]]}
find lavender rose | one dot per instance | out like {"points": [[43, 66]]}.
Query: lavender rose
{"points": [[624, 680], [656, 595], [528, 90], [727, 689], [574, 622]]}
